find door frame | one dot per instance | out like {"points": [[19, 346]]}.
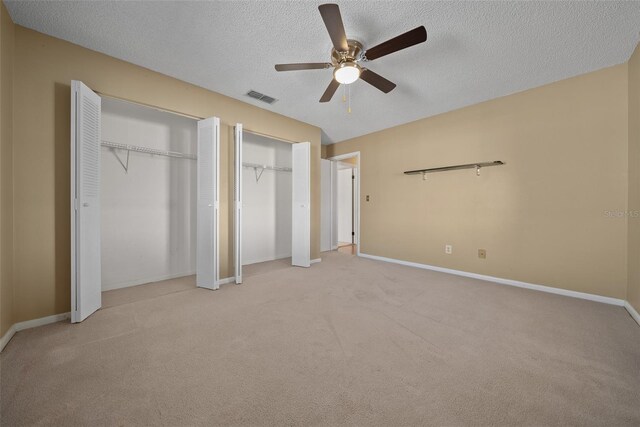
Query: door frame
{"points": [[356, 194]]}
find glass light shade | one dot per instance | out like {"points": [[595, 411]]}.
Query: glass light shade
{"points": [[347, 73]]}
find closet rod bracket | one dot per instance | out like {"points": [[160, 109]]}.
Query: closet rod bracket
{"points": [[124, 165], [258, 175]]}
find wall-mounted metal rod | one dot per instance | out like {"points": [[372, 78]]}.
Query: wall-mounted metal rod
{"points": [[475, 166], [128, 147]]}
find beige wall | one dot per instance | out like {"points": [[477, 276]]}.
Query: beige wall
{"points": [[541, 217], [44, 67], [6, 171], [633, 294]]}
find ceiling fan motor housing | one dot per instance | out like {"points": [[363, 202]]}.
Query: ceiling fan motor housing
{"points": [[354, 54]]}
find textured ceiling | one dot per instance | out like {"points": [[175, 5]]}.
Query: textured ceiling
{"points": [[475, 51]]}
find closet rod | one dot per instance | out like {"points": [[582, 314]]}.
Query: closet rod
{"points": [[148, 150]]}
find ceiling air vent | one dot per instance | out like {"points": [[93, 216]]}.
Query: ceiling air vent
{"points": [[261, 97]]}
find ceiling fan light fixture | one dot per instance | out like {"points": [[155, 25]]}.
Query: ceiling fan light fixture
{"points": [[347, 73]]}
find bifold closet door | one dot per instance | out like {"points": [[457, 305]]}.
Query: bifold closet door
{"points": [[86, 281], [237, 219], [208, 203], [301, 200]]}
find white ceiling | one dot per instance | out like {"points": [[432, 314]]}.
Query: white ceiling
{"points": [[475, 50]]}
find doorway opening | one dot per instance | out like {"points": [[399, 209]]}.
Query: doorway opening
{"points": [[340, 214], [345, 205]]}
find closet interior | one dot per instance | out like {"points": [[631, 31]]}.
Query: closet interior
{"points": [[148, 195], [267, 199], [145, 201]]}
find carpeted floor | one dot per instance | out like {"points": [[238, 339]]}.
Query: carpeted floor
{"points": [[348, 341], [148, 290]]}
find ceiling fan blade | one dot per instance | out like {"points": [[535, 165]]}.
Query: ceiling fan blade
{"points": [[333, 21], [331, 89], [403, 41], [303, 66], [377, 81]]}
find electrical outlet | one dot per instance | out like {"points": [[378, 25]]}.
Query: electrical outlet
{"points": [[367, 197], [448, 249], [482, 253]]}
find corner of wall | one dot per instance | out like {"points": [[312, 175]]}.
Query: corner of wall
{"points": [[323, 151], [7, 31], [633, 214]]}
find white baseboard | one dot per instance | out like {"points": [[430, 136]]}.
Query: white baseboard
{"points": [[509, 282], [28, 324], [315, 261], [632, 311], [34, 323], [137, 282], [7, 337]]}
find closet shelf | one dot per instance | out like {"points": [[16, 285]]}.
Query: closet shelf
{"points": [[267, 167], [147, 150], [256, 166]]}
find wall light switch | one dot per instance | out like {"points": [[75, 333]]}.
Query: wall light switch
{"points": [[482, 253], [448, 249]]}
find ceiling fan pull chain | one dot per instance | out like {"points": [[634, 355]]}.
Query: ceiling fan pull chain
{"points": [[349, 96], [344, 93]]}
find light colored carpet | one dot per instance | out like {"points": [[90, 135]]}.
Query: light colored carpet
{"points": [[348, 341], [147, 291], [265, 267]]}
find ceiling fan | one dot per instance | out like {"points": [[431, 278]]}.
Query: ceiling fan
{"points": [[347, 54]]}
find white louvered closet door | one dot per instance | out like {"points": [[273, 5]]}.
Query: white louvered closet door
{"points": [[238, 204], [301, 200], [86, 284], [208, 203]]}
